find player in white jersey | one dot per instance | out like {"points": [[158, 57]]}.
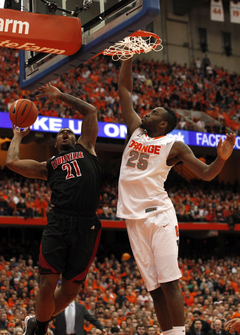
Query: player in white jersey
{"points": [[150, 216]]}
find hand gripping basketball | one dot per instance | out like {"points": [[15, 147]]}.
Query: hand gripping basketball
{"points": [[20, 132]]}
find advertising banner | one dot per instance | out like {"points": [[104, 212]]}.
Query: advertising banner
{"points": [[117, 131], [53, 34]]}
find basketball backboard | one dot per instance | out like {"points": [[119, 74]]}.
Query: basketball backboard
{"points": [[103, 23]]}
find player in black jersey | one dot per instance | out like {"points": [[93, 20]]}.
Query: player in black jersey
{"points": [[71, 237]]}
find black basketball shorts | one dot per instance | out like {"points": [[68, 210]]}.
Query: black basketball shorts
{"points": [[69, 245]]}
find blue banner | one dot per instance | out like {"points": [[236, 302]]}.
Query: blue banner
{"points": [[117, 131]]}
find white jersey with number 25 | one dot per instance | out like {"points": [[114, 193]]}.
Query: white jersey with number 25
{"points": [[143, 172]]}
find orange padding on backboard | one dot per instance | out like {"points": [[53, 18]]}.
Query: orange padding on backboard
{"points": [[39, 32]]}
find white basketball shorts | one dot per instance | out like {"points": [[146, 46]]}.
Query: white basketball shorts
{"points": [[154, 242]]}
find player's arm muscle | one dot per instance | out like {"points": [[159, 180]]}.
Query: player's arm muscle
{"points": [[90, 121], [89, 130], [26, 167], [125, 86], [181, 152]]}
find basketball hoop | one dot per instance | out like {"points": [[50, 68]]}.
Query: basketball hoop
{"points": [[137, 43]]}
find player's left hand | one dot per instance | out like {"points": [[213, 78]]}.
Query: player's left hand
{"points": [[49, 91], [225, 148], [233, 325]]}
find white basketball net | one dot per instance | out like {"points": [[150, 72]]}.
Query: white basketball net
{"points": [[131, 45]]}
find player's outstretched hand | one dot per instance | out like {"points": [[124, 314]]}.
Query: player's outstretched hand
{"points": [[225, 148], [233, 325], [20, 132], [49, 91]]}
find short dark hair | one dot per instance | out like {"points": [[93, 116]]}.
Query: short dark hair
{"points": [[150, 327], [171, 118], [114, 330], [65, 128]]}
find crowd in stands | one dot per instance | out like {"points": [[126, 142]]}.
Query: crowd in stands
{"points": [[114, 291], [115, 294], [196, 201], [200, 87]]}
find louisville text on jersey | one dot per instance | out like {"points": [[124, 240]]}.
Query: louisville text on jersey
{"points": [[66, 158]]}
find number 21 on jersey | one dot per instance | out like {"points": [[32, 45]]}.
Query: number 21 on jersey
{"points": [[68, 167]]}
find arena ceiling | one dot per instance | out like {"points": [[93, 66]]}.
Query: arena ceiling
{"points": [[181, 7]]}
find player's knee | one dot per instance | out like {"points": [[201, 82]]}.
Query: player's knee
{"points": [[47, 287], [46, 291], [70, 291], [156, 294], [171, 288], [68, 297]]}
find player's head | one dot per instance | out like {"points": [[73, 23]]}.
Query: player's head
{"points": [[65, 140], [160, 119]]}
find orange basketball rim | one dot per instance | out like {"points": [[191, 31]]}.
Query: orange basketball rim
{"points": [[136, 43]]}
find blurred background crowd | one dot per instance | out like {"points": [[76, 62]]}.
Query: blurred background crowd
{"points": [[208, 89], [114, 293], [195, 201]]}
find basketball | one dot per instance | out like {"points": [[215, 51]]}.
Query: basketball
{"points": [[125, 256], [23, 113]]}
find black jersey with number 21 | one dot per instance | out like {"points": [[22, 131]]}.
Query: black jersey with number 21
{"points": [[74, 177]]}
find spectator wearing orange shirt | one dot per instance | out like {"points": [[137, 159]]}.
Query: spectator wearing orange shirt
{"points": [[108, 296], [2, 263], [12, 300], [87, 303], [121, 317], [186, 276], [29, 207], [130, 295], [188, 298], [97, 285], [37, 204], [236, 314]]}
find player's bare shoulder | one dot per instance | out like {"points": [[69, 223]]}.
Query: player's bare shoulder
{"points": [[182, 147], [177, 153], [178, 149]]}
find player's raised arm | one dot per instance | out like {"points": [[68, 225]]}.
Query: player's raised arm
{"points": [[90, 121], [125, 86], [26, 167], [182, 152]]}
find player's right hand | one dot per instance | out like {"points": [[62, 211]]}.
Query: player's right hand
{"points": [[20, 132]]}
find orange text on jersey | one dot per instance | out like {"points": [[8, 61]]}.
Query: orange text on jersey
{"points": [[152, 149]]}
